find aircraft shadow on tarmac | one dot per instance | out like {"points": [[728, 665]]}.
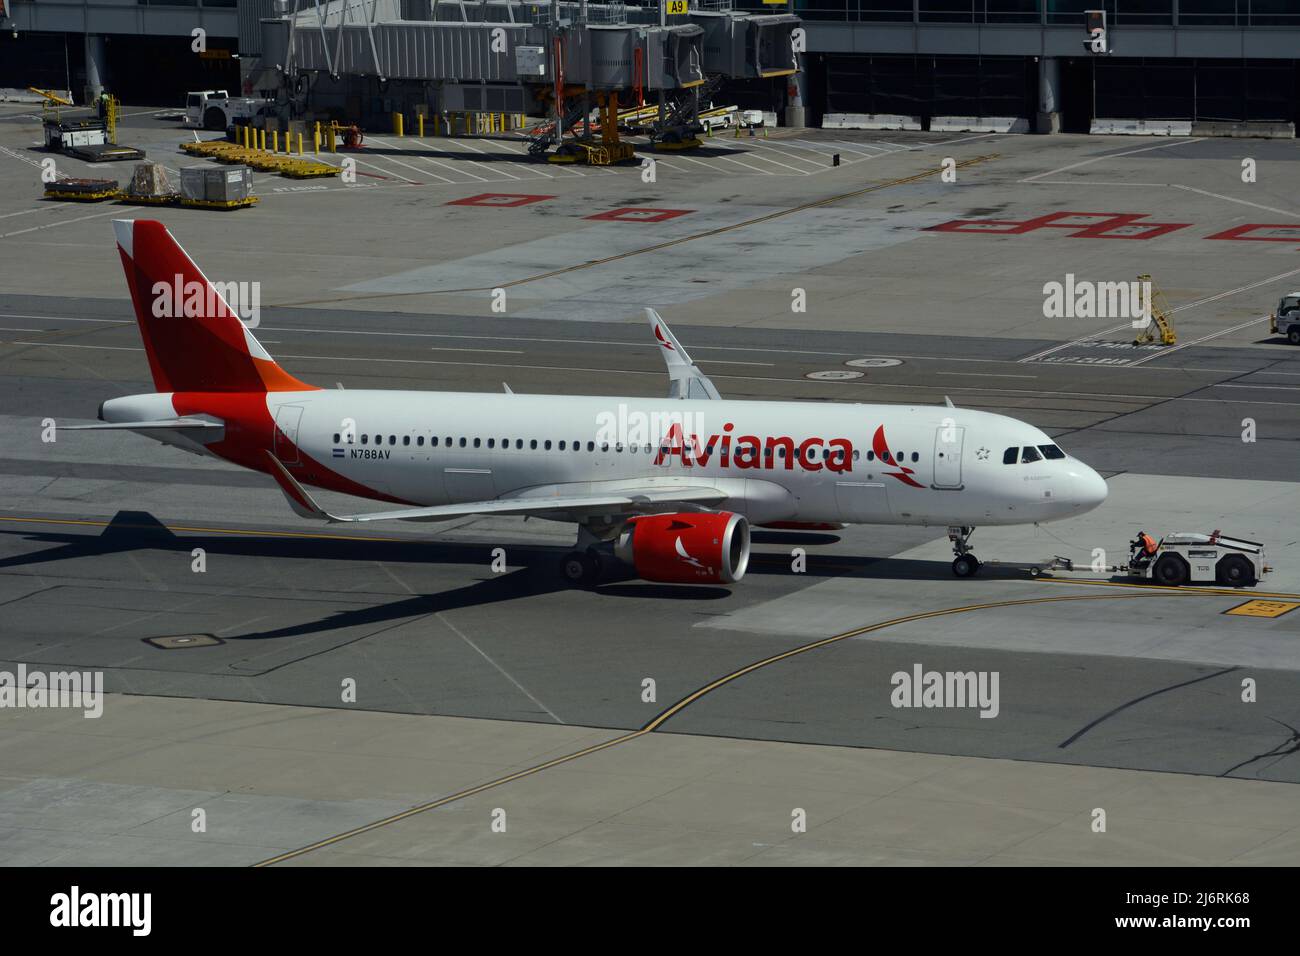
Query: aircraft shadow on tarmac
{"points": [[533, 570]]}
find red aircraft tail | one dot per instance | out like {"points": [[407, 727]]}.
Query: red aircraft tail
{"points": [[193, 338]]}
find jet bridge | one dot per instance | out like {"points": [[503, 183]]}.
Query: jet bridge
{"points": [[527, 57]]}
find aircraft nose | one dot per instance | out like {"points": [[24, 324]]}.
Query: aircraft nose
{"points": [[1089, 489]]}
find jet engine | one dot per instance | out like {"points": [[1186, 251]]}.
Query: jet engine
{"points": [[688, 548]]}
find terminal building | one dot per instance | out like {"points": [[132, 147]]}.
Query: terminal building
{"points": [[1176, 66], [1188, 61]]}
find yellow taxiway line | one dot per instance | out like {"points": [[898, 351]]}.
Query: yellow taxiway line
{"points": [[1133, 591], [666, 715]]}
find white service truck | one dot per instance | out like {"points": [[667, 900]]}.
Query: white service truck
{"points": [[1285, 320], [218, 110]]}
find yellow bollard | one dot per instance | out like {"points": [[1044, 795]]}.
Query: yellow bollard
{"points": [[397, 124], [300, 144], [315, 138], [275, 140], [421, 123]]}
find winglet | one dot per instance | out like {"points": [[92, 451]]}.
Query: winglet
{"points": [[685, 378], [302, 503]]}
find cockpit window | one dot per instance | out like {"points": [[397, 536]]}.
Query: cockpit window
{"points": [[1051, 452], [1029, 453], [1009, 456]]}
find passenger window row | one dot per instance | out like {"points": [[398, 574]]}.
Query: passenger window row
{"points": [[577, 446], [504, 443]]}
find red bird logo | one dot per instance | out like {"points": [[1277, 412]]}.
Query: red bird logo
{"points": [[881, 448], [663, 341]]}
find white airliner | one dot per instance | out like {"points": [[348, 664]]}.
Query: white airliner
{"points": [[669, 486]]}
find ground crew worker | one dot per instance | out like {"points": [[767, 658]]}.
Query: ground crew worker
{"points": [[1143, 549]]}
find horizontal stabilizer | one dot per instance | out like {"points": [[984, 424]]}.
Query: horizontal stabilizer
{"points": [[171, 423]]}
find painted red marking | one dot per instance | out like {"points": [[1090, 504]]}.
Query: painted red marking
{"points": [[1095, 225], [880, 445], [1242, 233], [499, 200], [640, 214]]}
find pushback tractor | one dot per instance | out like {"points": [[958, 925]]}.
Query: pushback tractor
{"points": [[1193, 557]]}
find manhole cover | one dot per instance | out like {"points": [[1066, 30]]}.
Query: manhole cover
{"points": [[834, 375], [180, 641], [873, 362]]}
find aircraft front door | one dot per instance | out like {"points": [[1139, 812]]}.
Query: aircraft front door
{"points": [[287, 418], [948, 440]]}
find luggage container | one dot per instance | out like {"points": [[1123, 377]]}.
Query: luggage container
{"points": [[194, 182], [228, 184]]}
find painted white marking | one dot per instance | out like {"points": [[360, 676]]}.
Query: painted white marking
{"points": [[524, 690], [1099, 159], [1204, 338], [448, 348], [61, 222]]}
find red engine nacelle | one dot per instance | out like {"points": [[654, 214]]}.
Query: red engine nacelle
{"points": [[689, 548]]}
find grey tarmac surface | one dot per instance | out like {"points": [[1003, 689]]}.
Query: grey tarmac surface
{"points": [[97, 532]]}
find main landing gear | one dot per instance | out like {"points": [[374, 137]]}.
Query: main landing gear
{"points": [[581, 568], [584, 566], [966, 564]]}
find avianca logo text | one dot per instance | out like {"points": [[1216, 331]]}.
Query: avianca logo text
{"points": [[750, 451]]}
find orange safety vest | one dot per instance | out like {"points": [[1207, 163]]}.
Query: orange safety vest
{"points": [[1148, 544]]}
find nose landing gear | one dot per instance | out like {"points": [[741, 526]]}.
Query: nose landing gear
{"points": [[965, 565]]}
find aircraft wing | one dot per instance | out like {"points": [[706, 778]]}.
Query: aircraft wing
{"points": [[685, 378], [536, 503]]}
